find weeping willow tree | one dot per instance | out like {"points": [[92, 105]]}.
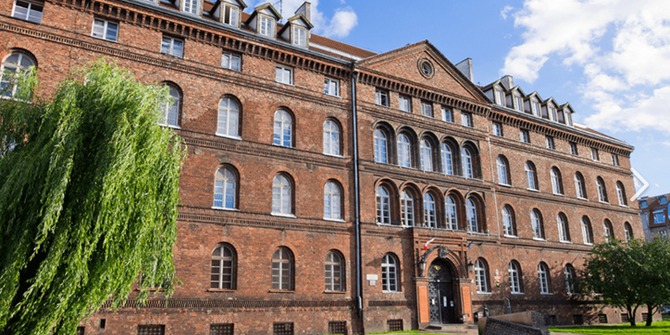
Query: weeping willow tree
{"points": [[88, 199]]}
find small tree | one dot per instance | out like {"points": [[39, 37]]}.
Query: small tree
{"points": [[88, 199]]}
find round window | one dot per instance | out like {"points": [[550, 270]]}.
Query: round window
{"points": [[426, 68]]}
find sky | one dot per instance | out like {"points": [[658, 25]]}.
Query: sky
{"points": [[610, 59]]}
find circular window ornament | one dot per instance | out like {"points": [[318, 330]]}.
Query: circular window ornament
{"points": [[426, 68]]}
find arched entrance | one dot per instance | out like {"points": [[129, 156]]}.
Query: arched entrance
{"points": [[442, 292]]}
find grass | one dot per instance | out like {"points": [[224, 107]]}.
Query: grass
{"points": [[661, 327], [407, 332]]}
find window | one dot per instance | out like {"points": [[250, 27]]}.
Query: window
{"points": [[497, 129], [570, 278], [407, 208], [150, 329], [331, 87], [172, 46], [468, 163], [556, 181], [426, 155], [466, 119], [550, 143], [628, 231], [105, 30], [331, 138], [393, 325], [659, 216], [602, 191], [481, 276], [472, 216], [503, 171], [573, 148], [381, 146], [382, 97], [543, 278], [231, 61], [283, 129], [225, 188], [222, 329], [662, 200], [332, 201], [587, 231], [429, 211], [15, 63], [536, 224], [643, 203], [334, 271], [524, 136], [552, 114], [515, 283], [621, 194], [427, 109], [299, 36], [191, 6], [405, 103], [266, 26], [518, 103], [224, 264], [447, 115], [29, 10], [282, 195], [231, 14], [282, 269], [171, 108], [580, 186], [451, 214], [404, 151], [535, 108], [594, 154], [447, 159], [563, 228], [499, 97], [284, 328], [615, 160], [608, 230], [284, 75], [228, 118], [509, 226], [390, 272], [383, 205], [531, 176], [337, 327]]}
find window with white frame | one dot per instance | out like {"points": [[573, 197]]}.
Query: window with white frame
{"points": [[29, 10], [573, 149], [171, 108], [447, 114], [105, 30], [518, 103], [608, 230], [283, 129], [628, 231], [515, 283], [13, 64], [467, 162], [615, 159], [536, 108], [497, 129], [190, 6], [381, 146], [225, 188], [659, 216], [602, 190], [531, 176], [282, 269], [231, 14], [563, 228], [621, 194], [334, 271], [543, 278], [404, 151], [429, 211], [223, 270], [426, 155], [299, 36], [382, 97], [405, 103], [426, 109], [503, 171], [472, 216], [228, 118], [594, 154], [524, 136], [550, 143], [552, 114], [556, 181], [332, 201], [383, 197], [466, 119], [499, 97], [172, 46], [390, 271], [284, 75], [331, 138], [481, 276], [451, 213], [231, 61], [587, 231], [266, 26], [580, 186], [447, 159], [570, 276], [407, 208], [509, 228], [282, 195], [331, 87], [536, 224]]}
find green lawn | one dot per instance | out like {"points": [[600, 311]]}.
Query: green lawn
{"points": [[407, 332], [661, 327]]}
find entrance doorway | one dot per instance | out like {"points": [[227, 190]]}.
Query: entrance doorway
{"points": [[441, 293]]}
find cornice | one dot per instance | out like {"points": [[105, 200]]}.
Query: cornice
{"points": [[225, 302]]}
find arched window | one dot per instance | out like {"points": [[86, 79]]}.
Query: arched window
{"points": [[225, 188], [628, 232], [587, 230], [621, 194], [447, 157], [426, 155], [282, 270], [228, 121], [224, 267], [556, 181], [602, 191], [509, 226], [472, 216], [481, 275], [515, 278], [383, 205], [332, 201], [531, 176], [543, 278], [536, 224], [451, 213], [283, 129], [331, 138], [407, 210], [381, 146], [282, 195], [11, 66], [468, 162], [404, 151], [334, 271], [580, 186], [429, 211], [390, 272], [170, 110], [503, 171], [570, 278], [608, 230], [563, 228]]}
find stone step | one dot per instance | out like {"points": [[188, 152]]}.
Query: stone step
{"points": [[469, 329]]}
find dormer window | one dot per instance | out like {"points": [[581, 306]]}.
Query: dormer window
{"points": [[190, 6], [266, 26], [499, 97], [518, 103], [552, 114], [535, 108], [299, 36], [231, 15]]}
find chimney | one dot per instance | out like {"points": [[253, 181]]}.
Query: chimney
{"points": [[507, 81], [465, 66], [305, 10]]}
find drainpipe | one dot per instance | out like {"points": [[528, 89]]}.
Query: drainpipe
{"points": [[357, 201]]}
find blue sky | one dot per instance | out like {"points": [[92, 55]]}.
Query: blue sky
{"points": [[610, 59]]}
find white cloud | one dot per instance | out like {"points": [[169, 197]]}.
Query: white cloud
{"points": [[341, 24], [504, 13], [622, 47]]}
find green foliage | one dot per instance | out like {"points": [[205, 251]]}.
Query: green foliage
{"points": [[662, 327], [88, 200]]}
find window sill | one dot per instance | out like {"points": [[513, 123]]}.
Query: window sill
{"points": [[237, 138], [517, 293], [539, 239], [283, 215], [506, 185], [332, 95], [104, 39], [603, 202], [623, 206], [173, 56], [220, 290], [332, 155], [392, 292], [282, 146], [333, 220], [484, 293], [582, 198], [546, 294], [283, 83], [335, 292], [586, 243], [510, 236], [225, 209], [282, 291], [559, 194], [533, 189], [566, 242]]}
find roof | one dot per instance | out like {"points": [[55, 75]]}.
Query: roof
{"points": [[339, 46]]}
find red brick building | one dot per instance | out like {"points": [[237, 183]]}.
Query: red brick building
{"points": [[329, 189]]}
